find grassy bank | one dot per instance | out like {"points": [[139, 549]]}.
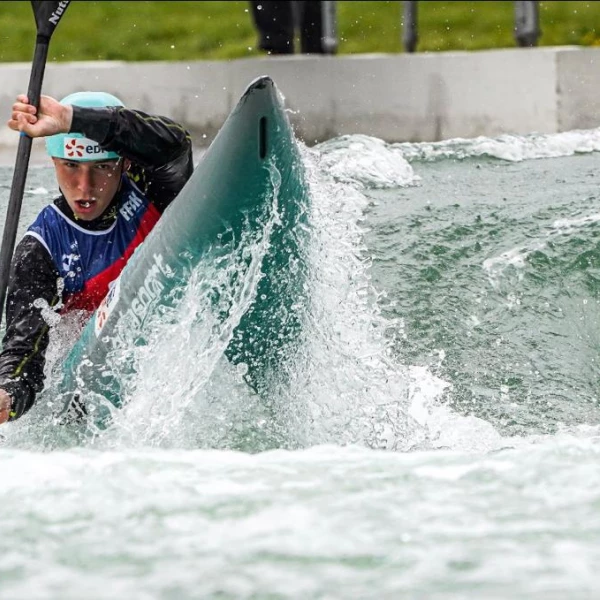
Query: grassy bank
{"points": [[223, 30]]}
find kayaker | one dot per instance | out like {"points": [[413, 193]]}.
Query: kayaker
{"points": [[117, 170]]}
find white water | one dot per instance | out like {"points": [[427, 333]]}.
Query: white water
{"points": [[383, 491]]}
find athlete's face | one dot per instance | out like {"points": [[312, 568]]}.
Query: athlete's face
{"points": [[88, 186]]}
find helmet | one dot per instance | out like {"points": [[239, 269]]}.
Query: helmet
{"points": [[75, 146]]}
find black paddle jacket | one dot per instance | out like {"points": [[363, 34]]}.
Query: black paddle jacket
{"points": [[161, 155]]}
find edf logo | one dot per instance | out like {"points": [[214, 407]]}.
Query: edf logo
{"points": [[77, 148], [73, 148]]}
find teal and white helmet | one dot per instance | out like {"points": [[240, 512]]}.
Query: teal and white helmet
{"points": [[74, 146]]}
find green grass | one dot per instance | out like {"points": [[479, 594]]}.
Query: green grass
{"points": [[173, 30]]}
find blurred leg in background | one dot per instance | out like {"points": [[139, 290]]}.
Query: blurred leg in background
{"points": [[277, 23], [310, 23], [274, 22]]}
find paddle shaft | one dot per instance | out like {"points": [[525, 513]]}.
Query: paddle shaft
{"points": [[21, 167], [47, 16]]}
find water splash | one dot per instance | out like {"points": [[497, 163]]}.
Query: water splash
{"points": [[345, 385], [357, 391], [179, 389], [366, 161]]}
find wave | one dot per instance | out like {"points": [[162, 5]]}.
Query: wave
{"points": [[370, 162]]}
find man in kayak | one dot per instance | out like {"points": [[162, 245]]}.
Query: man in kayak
{"points": [[117, 170]]}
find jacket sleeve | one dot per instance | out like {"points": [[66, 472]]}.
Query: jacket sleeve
{"points": [[160, 149], [32, 287]]}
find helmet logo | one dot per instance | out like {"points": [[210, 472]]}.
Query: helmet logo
{"points": [[77, 147], [73, 149]]}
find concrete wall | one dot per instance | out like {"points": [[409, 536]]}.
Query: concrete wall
{"points": [[404, 97]]}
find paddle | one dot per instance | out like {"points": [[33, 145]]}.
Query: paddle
{"points": [[47, 15]]}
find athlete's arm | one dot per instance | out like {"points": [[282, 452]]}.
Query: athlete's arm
{"points": [[33, 281], [161, 147]]}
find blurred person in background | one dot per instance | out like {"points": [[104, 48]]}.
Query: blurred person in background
{"points": [[276, 23]]}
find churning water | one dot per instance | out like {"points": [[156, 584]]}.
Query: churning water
{"points": [[439, 435]]}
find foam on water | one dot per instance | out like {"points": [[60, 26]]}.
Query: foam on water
{"points": [[321, 522], [366, 161], [516, 258], [511, 148]]}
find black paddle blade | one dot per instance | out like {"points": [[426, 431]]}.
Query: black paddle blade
{"points": [[47, 15]]}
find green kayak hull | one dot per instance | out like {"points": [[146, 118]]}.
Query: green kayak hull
{"points": [[248, 197]]}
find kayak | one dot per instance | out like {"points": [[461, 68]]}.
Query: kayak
{"points": [[248, 197]]}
